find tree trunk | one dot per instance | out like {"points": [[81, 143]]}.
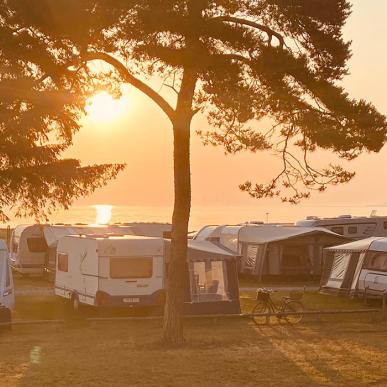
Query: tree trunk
{"points": [[177, 268]]}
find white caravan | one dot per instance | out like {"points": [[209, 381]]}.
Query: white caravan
{"points": [[33, 246], [7, 296], [354, 227], [358, 267], [373, 276], [28, 249], [103, 270], [53, 234]]}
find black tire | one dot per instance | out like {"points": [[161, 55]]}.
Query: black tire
{"points": [[261, 307], [294, 307]]}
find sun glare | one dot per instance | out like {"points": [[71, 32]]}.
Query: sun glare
{"points": [[104, 214], [102, 107]]}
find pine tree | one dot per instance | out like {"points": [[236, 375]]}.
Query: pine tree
{"points": [[235, 61], [41, 102]]}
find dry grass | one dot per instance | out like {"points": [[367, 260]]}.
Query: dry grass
{"points": [[226, 352], [347, 351]]}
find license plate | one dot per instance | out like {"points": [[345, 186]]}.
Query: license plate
{"points": [[131, 299]]}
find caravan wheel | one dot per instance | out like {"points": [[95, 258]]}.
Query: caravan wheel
{"points": [[75, 303]]}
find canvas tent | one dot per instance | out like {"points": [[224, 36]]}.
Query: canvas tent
{"points": [[275, 250], [212, 279], [353, 267]]}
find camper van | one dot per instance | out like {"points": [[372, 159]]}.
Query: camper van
{"points": [[104, 270], [354, 227], [7, 296], [354, 268]]}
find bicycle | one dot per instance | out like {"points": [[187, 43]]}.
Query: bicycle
{"points": [[265, 304]]}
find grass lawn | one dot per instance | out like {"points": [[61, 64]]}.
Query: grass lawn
{"points": [[226, 352], [253, 282], [345, 351], [25, 282]]}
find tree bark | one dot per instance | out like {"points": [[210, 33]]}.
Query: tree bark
{"points": [[177, 267]]}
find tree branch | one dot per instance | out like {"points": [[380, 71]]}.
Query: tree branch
{"points": [[137, 83], [250, 23]]}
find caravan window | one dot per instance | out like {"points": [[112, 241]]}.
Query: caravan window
{"points": [[208, 281], [377, 261], [352, 229], [36, 245], [63, 262], [338, 230], [131, 267]]}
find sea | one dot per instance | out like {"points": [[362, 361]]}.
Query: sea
{"points": [[201, 215]]}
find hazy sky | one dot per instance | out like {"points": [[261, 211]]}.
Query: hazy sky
{"points": [[141, 137]]}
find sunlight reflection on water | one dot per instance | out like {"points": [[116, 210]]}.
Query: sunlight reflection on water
{"points": [[201, 216]]}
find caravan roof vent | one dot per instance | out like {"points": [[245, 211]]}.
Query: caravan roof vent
{"points": [[312, 217], [345, 216]]}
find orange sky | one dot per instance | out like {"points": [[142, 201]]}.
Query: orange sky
{"points": [[141, 137]]}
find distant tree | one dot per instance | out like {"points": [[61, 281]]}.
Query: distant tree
{"points": [[236, 61], [41, 102]]}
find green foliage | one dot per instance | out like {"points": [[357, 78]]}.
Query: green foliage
{"points": [[42, 99], [277, 59]]}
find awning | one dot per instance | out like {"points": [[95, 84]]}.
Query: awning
{"points": [[359, 245]]}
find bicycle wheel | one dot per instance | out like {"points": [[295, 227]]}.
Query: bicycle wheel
{"points": [[293, 307], [261, 307]]}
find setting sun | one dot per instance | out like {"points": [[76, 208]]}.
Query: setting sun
{"points": [[103, 107]]}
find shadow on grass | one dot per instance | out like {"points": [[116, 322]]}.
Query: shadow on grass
{"points": [[217, 352]]}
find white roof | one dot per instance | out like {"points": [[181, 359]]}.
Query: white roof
{"points": [[373, 243], [114, 245], [269, 233], [146, 228], [212, 231], [208, 247], [110, 236], [53, 234], [379, 245], [34, 228]]}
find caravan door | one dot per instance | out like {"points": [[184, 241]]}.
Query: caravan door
{"points": [[7, 296]]}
